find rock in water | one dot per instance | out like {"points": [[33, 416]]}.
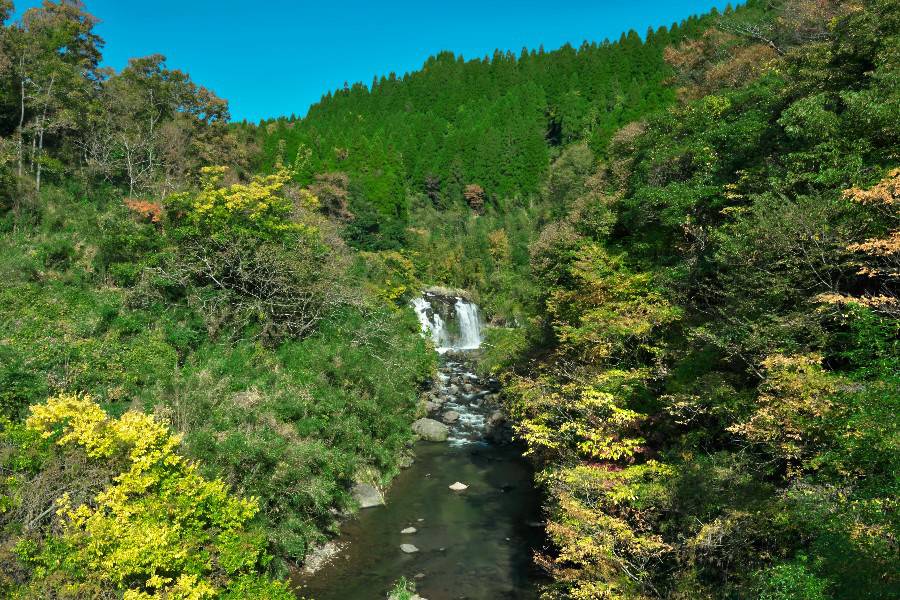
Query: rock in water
{"points": [[409, 530], [319, 556], [431, 430], [408, 548], [395, 596], [497, 429], [451, 416], [367, 495], [458, 487]]}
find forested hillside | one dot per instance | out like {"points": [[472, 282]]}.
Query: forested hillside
{"points": [[716, 395], [480, 130], [687, 244], [194, 368], [695, 243]]}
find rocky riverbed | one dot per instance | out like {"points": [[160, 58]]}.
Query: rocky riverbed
{"points": [[461, 407], [462, 521]]}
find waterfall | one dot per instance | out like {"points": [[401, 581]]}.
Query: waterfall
{"points": [[431, 322], [469, 325], [453, 323]]}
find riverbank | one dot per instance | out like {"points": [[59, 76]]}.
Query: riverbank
{"points": [[475, 544], [463, 521]]}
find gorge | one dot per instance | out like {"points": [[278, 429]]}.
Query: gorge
{"points": [[474, 543], [669, 261]]}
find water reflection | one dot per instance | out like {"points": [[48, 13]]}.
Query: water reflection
{"points": [[477, 544]]}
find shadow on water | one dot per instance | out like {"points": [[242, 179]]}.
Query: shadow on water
{"points": [[476, 544]]}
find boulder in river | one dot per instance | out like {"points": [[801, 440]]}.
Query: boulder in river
{"points": [[367, 495], [408, 548], [409, 530], [458, 487], [497, 429], [319, 556], [431, 430], [451, 416], [396, 596]]}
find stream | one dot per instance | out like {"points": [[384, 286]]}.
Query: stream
{"points": [[474, 544]]}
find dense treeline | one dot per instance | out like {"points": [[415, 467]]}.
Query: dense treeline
{"points": [[715, 394], [479, 130], [194, 368], [146, 128]]}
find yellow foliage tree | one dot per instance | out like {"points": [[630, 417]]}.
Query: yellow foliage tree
{"points": [[587, 421], [603, 528], [393, 273], [499, 246], [160, 530], [881, 255], [256, 207], [610, 308], [795, 408], [579, 414]]}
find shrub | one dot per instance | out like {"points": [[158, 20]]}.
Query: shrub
{"points": [[158, 529], [295, 426], [790, 581], [252, 260], [257, 207]]}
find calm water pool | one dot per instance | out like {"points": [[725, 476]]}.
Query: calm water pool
{"points": [[476, 544]]}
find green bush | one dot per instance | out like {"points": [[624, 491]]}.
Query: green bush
{"points": [[790, 581]]}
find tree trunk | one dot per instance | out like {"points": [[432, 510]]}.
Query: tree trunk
{"points": [[152, 124], [21, 133], [129, 165], [43, 121], [37, 175], [33, 152]]}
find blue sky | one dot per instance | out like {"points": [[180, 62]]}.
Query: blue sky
{"points": [[271, 58]]}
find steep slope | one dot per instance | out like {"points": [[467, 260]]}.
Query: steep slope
{"points": [[491, 123], [715, 392]]}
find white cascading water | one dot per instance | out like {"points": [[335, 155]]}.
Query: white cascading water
{"points": [[454, 325], [466, 316], [469, 325], [432, 324]]}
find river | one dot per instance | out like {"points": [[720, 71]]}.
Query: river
{"points": [[474, 544]]}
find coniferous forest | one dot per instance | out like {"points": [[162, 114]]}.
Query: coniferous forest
{"points": [[685, 243]]}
